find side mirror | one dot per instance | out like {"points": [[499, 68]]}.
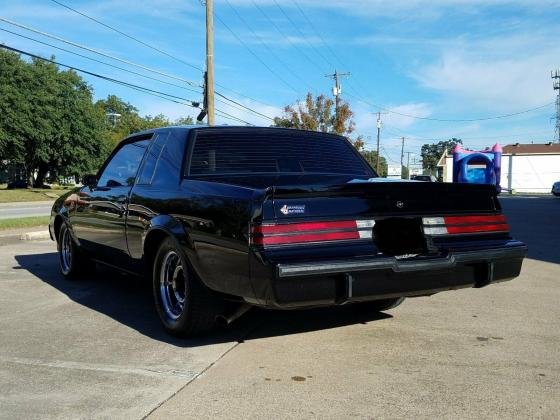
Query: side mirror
{"points": [[89, 180]]}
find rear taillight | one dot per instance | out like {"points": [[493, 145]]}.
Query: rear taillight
{"points": [[453, 225], [311, 232]]}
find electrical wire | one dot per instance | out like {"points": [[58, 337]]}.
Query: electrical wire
{"points": [[304, 37], [287, 38], [256, 55], [100, 76], [101, 62], [180, 60], [312, 25], [270, 50], [83, 47], [162, 95], [111, 57], [243, 106], [495, 117], [158, 50]]}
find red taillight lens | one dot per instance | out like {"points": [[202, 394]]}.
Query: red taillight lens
{"points": [[311, 232], [452, 225]]}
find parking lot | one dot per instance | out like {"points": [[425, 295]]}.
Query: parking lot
{"points": [[95, 348]]}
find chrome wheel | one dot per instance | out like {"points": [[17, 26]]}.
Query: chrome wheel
{"points": [[66, 252], [172, 285]]}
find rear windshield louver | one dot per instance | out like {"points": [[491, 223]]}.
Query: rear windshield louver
{"points": [[458, 225], [249, 151], [311, 232]]}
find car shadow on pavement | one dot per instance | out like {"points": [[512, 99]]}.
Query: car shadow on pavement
{"points": [[534, 221], [128, 300]]}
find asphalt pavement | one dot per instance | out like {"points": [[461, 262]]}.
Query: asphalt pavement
{"points": [[25, 209], [94, 348]]}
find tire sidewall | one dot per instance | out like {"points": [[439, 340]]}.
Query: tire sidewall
{"points": [[72, 269], [179, 324]]}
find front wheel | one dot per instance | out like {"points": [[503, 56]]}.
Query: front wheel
{"points": [[184, 305]]}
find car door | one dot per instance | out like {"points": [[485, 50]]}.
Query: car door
{"points": [[99, 222]]}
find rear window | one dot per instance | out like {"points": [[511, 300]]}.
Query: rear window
{"points": [[247, 151]]}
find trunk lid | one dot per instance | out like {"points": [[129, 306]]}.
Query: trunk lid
{"points": [[381, 197]]}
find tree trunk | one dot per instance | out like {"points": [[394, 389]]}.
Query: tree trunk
{"points": [[41, 174]]}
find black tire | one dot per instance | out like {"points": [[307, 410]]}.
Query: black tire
{"points": [[384, 304], [184, 305], [73, 262]]}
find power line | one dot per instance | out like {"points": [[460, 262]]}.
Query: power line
{"points": [[270, 50], [193, 104], [231, 117], [129, 36], [101, 62], [318, 33], [245, 107], [287, 38], [304, 37], [256, 55], [83, 47], [495, 117], [153, 48], [162, 95]]}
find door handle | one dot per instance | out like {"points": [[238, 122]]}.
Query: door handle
{"points": [[121, 203]]}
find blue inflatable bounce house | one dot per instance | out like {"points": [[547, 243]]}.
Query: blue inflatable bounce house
{"points": [[477, 167]]}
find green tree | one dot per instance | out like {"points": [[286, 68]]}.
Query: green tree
{"points": [[184, 121], [371, 157], [49, 123], [431, 153], [317, 114]]}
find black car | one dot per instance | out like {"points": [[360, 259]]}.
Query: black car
{"points": [[426, 178], [221, 218]]}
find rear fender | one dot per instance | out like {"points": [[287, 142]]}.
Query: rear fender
{"points": [[166, 226]]}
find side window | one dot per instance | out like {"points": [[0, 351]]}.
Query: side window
{"points": [[152, 159], [122, 169]]}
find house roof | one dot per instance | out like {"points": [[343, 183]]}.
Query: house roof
{"points": [[528, 149]]}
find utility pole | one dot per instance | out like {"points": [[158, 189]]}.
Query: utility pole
{"points": [[402, 155], [209, 85], [408, 164], [556, 85], [378, 133], [337, 90]]}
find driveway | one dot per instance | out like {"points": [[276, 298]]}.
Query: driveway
{"points": [[94, 348]]}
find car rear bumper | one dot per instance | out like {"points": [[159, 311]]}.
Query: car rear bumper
{"points": [[340, 281]]}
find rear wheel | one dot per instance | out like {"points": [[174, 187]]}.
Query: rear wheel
{"points": [[384, 304], [183, 304], [73, 262]]}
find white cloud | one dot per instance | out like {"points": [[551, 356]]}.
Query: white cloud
{"points": [[509, 73]]}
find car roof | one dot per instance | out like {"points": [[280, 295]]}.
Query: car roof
{"points": [[186, 128]]}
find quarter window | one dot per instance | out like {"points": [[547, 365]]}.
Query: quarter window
{"points": [[122, 168]]}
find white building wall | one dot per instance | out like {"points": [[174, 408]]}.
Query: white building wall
{"points": [[530, 173], [448, 173]]}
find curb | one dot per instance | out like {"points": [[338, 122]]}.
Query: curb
{"points": [[34, 236]]}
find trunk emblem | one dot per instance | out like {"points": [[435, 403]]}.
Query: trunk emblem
{"points": [[400, 204], [294, 209]]}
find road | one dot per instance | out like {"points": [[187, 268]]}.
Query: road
{"points": [[94, 348], [26, 209]]}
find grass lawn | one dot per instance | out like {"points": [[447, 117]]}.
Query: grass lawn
{"points": [[29, 194], [24, 222]]}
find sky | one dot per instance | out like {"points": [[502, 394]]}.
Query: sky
{"points": [[430, 60]]}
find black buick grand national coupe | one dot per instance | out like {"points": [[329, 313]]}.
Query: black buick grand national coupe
{"points": [[221, 218]]}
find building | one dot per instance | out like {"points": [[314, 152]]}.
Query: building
{"points": [[526, 168]]}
